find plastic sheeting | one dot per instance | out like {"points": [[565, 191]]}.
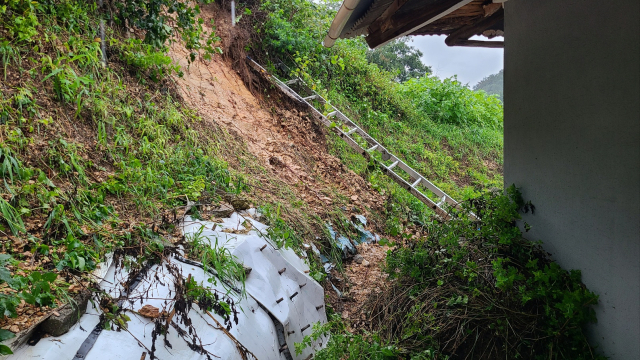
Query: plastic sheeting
{"points": [[294, 298], [282, 300]]}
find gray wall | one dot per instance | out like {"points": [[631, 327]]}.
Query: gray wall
{"points": [[572, 142]]}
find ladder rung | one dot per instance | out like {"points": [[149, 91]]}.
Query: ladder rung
{"points": [[352, 127]]}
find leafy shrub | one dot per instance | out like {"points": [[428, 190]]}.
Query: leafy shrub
{"points": [[34, 289], [160, 19], [345, 345], [450, 102], [478, 289], [146, 59]]}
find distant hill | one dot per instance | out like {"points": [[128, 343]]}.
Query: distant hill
{"points": [[492, 84]]}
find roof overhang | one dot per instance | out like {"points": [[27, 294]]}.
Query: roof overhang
{"points": [[382, 21]]}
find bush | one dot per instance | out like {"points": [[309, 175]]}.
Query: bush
{"points": [[478, 290], [450, 102]]}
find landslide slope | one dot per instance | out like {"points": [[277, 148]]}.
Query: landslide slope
{"points": [[99, 159]]}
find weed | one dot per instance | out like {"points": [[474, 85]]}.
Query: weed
{"points": [[8, 54], [145, 59], [11, 217], [216, 258]]}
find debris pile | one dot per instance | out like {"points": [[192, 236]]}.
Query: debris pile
{"points": [[278, 307]]}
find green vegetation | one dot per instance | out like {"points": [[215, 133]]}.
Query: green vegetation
{"points": [[400, 59], [468, 288], [480, 288], [447, 132], [472, 289], [492, 85], [215, 257], [97, 159]]}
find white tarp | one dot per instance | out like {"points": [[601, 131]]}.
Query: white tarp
{"points": [[291, 296]]}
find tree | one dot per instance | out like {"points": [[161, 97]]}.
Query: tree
{"points": [[492, 84], [400, 58]]}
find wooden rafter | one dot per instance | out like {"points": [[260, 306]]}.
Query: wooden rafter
{"points": [[400, 23], [461, 36]]}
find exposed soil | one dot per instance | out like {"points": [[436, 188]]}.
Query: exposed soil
{"points": [[287, 142], [362, 280], [290, 145]]}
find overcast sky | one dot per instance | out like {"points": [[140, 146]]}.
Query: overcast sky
{"points": [[469, 63]]}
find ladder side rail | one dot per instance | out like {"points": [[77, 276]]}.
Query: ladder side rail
{"points": [[368, 138], [395, 177], [415, 192], [426, 183], [402, 165], [371, 141]]}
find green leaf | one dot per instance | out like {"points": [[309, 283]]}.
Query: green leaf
{"points": [[5, 350], [35, 276], [6, 334], [226, 307], [28, 298], [4, 258], [5, 274], [50, 277]]}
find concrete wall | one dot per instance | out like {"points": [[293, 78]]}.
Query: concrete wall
{"points": [[572, 142]]}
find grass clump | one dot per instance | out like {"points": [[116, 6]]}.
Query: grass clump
{"points": [[215, 258]]}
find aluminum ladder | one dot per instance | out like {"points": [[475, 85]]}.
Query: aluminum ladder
{"points": [[415, 178]]}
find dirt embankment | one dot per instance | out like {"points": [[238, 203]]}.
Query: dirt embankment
{"points": [[288, 144]]}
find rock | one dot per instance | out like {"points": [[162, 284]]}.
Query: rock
{"points": [[14, 329], [223, 211], [240, 204], [149, 311], [328, 267], [366, 263], [276, 161], [67, 315], [358, 258], [354, 197]]}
